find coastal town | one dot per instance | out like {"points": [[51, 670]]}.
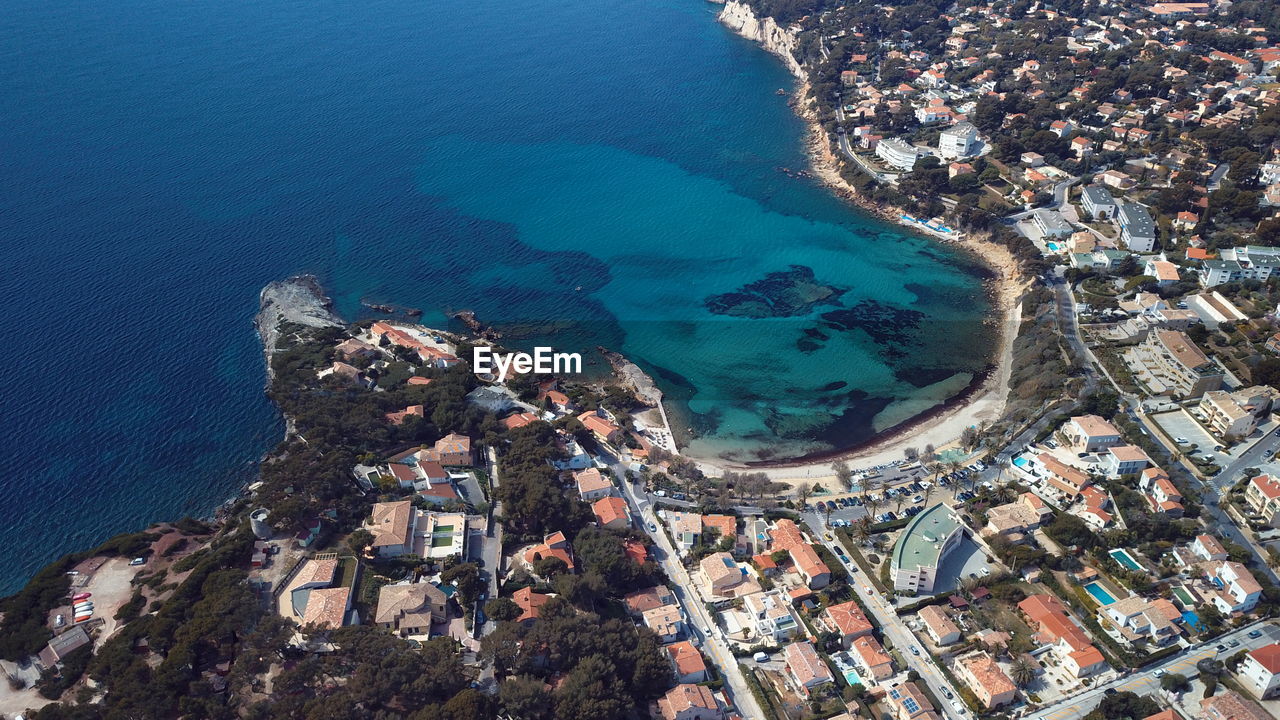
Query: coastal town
{"points": [[1097, 536]]}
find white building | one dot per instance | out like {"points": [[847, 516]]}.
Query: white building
{"points": [[958, 141], [922, 548], [897, 153], [1260, 670], [1098, 202], [1051, 223], [1137, 229]]}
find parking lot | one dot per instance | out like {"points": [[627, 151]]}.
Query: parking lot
{"points": [[900, 500]]}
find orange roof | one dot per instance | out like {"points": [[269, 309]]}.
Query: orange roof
{"points": [[848, 618], [1199, 254], [610, 509], [806, 558], [530, 603], [726, 525], [871, 651], [597, 424], [418, 380], [636, 551], [785, 535], [686, 657], [591, 480], [519, 420], [1267, 485], [1055, 624]]}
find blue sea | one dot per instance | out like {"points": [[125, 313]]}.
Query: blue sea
{"points": [[579, 174]]}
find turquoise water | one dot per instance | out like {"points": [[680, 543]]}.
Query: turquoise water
{"points": [[1099, 593], [580, 174], [1020, 461], [1191, 619], [1125, 559]]}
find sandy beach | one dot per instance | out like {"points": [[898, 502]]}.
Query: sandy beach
{"points": [[943, 424]]}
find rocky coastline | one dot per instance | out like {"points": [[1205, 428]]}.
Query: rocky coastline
{"points": [[299, 300]]}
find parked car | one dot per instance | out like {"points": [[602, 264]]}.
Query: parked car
{"points": [[653, 528], [1182, 441], [761, 657], [58, 621], [1255, 634], [138, 561]]}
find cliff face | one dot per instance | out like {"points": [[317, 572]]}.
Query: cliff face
{"points": [[298, 300], [740, 18]]}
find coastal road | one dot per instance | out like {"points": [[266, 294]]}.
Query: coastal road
{"points": [[1146, 682], [704, 631]]}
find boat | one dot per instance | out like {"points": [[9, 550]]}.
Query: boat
{"points": [[82, 617], [83, 605], [81, 596]]}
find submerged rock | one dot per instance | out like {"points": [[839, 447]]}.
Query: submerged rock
{"points": [[786, 293]]}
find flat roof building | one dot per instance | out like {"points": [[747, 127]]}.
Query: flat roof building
{"points": [[922, 548]]}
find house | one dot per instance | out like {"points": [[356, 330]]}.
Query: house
{"points": [[530, 604], [601, 428], [1160, 491], [519, 420], [612, 513], [639, 601], [1090, 433], [871, 656], [63, 645], [1055, 627], [1124, 460], [1263, 497], [665, 621], [1095, 500], [1020, 516], [1138, 621], [1260, 671], [910, 703], [453, 449], [1165, 272], [771, 615], [409, 609], [938, 625], [1237, 590], [786, 536], [1065, 480], [985, 678], [847, 620], [897, 154], [555, 545], [689, 702], [958, 141], [398, 418], [804, 669], [687, 662], [355, 348], [1230, 705], [326, 608], [1208, 547], [725, 526], [1098, 202], [725, 577], [593, 485], [1137, 229], [686, 530], [1082, 147], [392, 525]]}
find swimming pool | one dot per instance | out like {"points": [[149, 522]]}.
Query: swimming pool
{"points": [[1191, 619], [1125, 559], [1184, 597], [1099, 593], [1053, 247], [1020, 461]]}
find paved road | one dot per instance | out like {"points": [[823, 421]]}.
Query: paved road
{"points": [[894, 629], [1146, 682], [705, 633]]}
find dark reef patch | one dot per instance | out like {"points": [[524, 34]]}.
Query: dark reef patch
{"points": [[786, 293], [922, 376]]}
